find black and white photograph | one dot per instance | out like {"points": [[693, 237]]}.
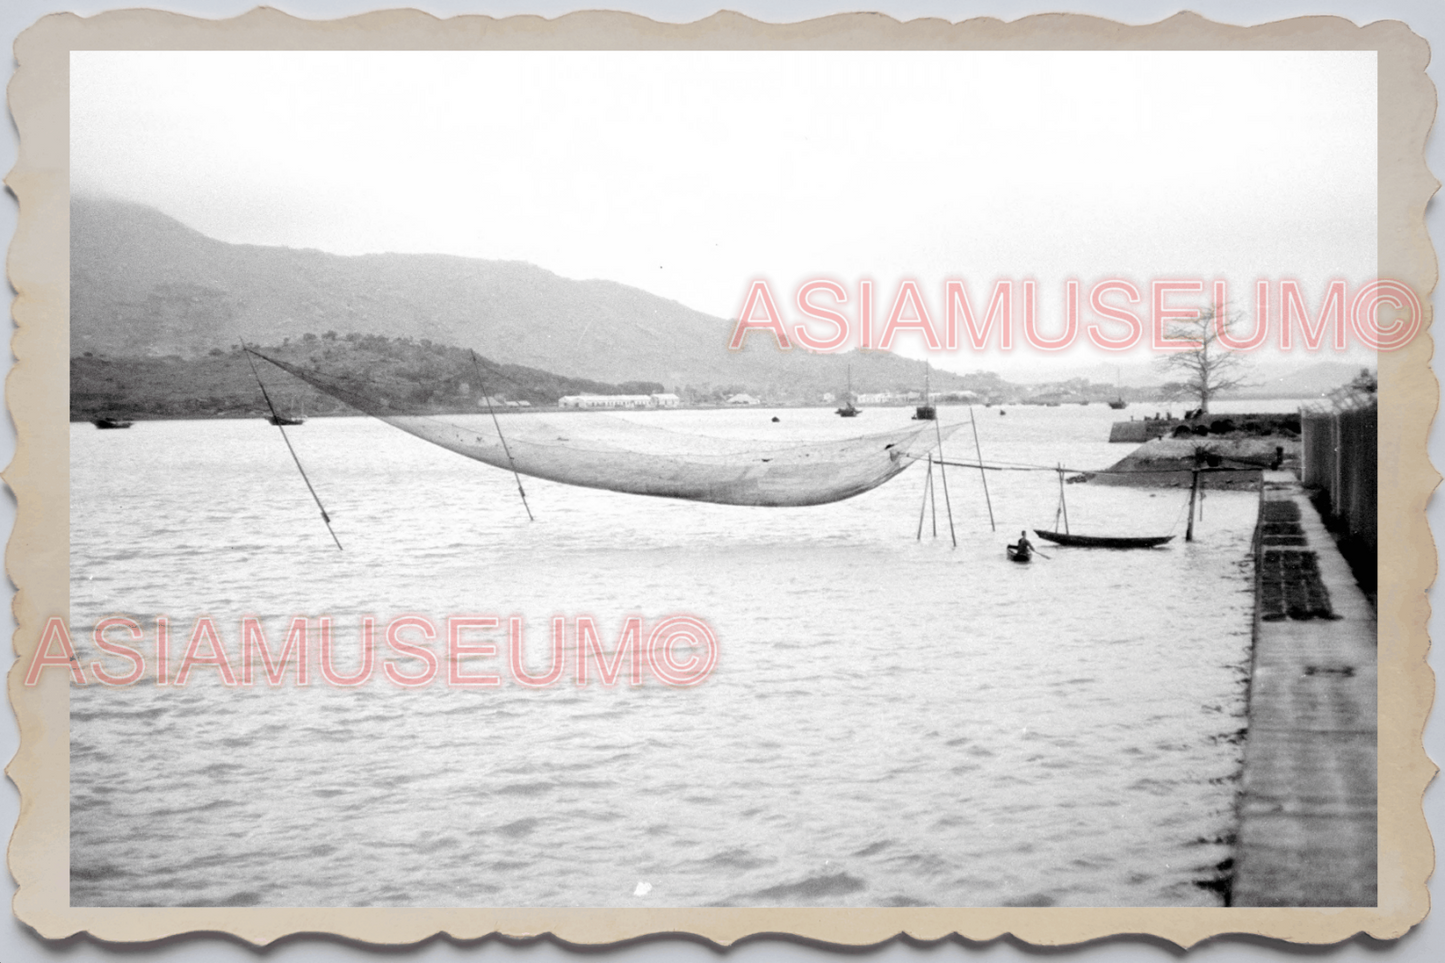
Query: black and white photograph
{"points": [[725, 478], [689, 624]]}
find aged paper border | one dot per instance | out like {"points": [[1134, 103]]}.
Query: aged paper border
{"points": [[38, 553]]}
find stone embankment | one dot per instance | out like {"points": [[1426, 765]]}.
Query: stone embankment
{"points": [[1308, 805], [1224, 461], [1230, 450]]}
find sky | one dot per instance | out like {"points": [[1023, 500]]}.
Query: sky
{"points": [[693, 174]]}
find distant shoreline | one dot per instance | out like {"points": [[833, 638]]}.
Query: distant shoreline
{"points": [[83, 418]]}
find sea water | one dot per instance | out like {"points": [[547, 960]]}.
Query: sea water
{"points": [[891, 720]]}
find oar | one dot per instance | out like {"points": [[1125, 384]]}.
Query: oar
{"points": [[1037, 552]]}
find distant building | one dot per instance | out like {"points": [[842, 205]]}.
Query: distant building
{"points": [[743, 399], [619, 401]]}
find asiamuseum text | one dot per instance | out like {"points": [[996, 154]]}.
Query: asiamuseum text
{"points": [[1380, 314], [410, 651]]}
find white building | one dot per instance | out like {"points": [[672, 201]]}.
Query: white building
{"points": [[619, 401], [743, 399]]}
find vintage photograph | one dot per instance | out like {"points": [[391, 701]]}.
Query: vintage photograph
{"points": [[559, 478]]}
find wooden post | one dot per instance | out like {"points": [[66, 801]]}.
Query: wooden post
{"points": [[981, 473], [933, 496], [1193, 493], [1063, 502], [927, 489], [943, 477]]}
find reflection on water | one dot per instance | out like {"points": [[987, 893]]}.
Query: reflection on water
{"points": [[891, 721]]}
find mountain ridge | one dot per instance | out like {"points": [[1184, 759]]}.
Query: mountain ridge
{"points": [[144, 284]]}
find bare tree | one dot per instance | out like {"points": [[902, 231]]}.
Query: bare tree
{"points": [[1206, 368]]}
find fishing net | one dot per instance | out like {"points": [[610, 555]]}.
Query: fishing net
{"points": [[600, 451]]}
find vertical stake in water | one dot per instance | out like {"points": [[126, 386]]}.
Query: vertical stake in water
{"points": [[485, 394], [281, 428], [943, 474], [1193, 493], [1063, 502], [981, 473], [927, 490]]}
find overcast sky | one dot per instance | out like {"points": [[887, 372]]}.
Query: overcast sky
{"points": [[691, 174]]}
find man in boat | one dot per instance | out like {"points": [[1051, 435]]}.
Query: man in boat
{"points": [[1024, 546]]}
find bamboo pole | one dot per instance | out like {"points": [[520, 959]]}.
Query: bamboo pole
{"points": [[981, 474], [482, 385], [933, 497], [923, 506], [276, 418], [1063, 502], [943, 475]]}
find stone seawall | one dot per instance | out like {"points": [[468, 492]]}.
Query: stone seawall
{"points": [[1138, 432], [1308, 808], [1226, 462]]}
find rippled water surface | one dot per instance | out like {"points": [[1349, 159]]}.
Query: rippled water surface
{"points": [[890, 722]]}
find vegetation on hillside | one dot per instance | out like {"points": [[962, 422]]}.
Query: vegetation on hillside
{"points": [[424, 375]]}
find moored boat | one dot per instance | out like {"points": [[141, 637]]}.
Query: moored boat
{"points": [[1100, 541], [110, 423], [279, 420], [1015, 554], [849, 410]]}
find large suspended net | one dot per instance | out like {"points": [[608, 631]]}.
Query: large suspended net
{"points": [[615, 454]]}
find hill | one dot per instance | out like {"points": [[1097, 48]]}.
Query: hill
{"points": [[145, 285], [421, 377]]}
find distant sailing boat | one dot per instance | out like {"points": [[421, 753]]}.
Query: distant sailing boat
{"points": [[925, 411], [849, 410], [280, 420], [1118, 403]]}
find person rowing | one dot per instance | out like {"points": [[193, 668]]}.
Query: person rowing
{"points": [[1023, 549]]}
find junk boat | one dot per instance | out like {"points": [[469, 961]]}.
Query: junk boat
{"points": [[849, 410]]}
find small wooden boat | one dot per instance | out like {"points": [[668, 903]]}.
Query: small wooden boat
{"points": [[925, 413], [1118, 404], [279, 420], [1097, 541], [1015, 555], [110, 423]]}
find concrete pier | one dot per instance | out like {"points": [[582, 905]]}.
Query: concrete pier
{"points": [[1309, 806]]}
